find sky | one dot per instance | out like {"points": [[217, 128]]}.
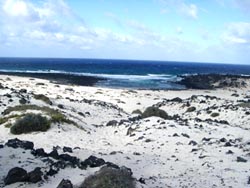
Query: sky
{"points": [[169, 30]]}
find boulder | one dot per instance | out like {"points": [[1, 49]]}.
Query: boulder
{"points": [[65, 184], [35, 175], [16, 143], [16, 175], [92, 162], [108, 177]]}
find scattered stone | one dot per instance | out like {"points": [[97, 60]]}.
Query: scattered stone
{"points": [[60, 106], [66, 157], [23, 90], [39, 152], [16, 175], [223, 140], [23, 101], [113, 153], [175, 135], [67, 149], [241, 159], [185, 135], [176, 99], [142, 181], [148, 140], [54, 154], [229, 152], [193, 143], [228, 144], [16, 143], [206, 139], [35, 175], [51, 172], [191, 109], [92, 162], [112, 123], [65, 184]]}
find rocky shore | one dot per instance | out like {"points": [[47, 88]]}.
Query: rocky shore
{"points": [[64, 135], [212, 81]]}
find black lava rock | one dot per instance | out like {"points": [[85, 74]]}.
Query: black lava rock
{"points": [[16, 175], [185, 135], [39, 152], [142, 180], [229, 152], [223, 140], [65, 184], [92, 162], [112, 123], [228, 144], [67, 149], [54, 154], [241, 159], [69, 158], [16, 143], [35, 175], [51, 172], [192, 142]]}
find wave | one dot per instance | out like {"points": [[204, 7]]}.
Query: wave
{"points": [[99, 75]]}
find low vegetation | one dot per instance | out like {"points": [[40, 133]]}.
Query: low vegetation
{"points": [[215, 114], [137, 112], [109, 177], [154, 111], [56, 115], [30, 123], [6, 119], [191, 109], [43, 98]]}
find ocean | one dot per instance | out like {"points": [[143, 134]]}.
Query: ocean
{"points": [[122, 73]]}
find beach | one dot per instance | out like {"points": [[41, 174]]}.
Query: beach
{"points": [[203, 141]]}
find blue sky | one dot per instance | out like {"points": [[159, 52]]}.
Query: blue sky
{"points": [[177, 30]]}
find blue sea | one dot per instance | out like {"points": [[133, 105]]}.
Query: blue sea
{"points": [[122, 73]]}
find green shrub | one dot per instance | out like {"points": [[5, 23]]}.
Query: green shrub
{"points": [[56, 115], [108, 177], [137, 112], [154, 111], [43, 98], [30, 123], [191, 109], [215, 114]]}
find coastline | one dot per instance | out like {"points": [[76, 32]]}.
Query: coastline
{"points": [[205, 132], [59, 78], [192, 81]]}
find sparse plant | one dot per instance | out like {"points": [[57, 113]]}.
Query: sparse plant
{"points": [[108, 177], [30, 123], [154, 111]]}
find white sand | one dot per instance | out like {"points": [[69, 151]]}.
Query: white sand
{"points": [[165, 160]]}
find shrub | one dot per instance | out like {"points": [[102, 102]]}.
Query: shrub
{"points": [[108, 177], [154, 111], [43, 98], [215, 114], [137, 112], [30, 123], [191, 109]]}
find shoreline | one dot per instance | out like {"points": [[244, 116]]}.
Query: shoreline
{"points": [[59, 78], [194, 81]]}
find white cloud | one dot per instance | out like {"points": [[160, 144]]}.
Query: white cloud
{"points": [[189, 10], [238, 33]]}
